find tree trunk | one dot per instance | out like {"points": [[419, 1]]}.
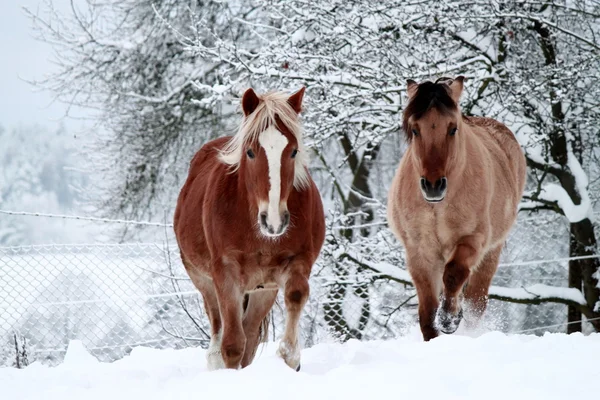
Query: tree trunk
{"points": [[575, 281], [586, 245], [582, 240]]}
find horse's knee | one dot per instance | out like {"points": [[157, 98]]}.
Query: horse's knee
{"points": [[296, 292], [455, 276]]}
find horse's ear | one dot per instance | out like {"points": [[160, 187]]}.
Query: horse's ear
{"points": [[249, 102], [456, 88], [295, 100], [411, 88]]}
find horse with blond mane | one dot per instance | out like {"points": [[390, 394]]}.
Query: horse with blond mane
{"points": [[249, 221], [453, 202]]}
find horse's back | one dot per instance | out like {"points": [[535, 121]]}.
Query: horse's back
{"points": [[497, 136]]}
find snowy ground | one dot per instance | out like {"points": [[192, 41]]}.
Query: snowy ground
{"points": [[491, 366]]}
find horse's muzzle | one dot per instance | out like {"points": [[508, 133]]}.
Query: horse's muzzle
{"points": [[434, 192], [272, 230]]}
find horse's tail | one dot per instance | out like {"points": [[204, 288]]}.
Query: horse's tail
{"points": [[263, 335]]}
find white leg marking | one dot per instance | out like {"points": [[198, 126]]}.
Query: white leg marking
{"points": [[274, 142], [289, 353], [214, 357]]}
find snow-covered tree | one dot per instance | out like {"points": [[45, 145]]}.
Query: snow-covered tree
{"points": [[164, 78]]}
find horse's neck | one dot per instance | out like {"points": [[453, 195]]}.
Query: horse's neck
{"points": [[241, 194], [465, 148]]}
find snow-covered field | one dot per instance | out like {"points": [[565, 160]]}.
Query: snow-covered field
{"points": [[491, 366]]}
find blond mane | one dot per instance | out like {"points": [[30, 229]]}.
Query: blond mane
{"points": [[271, 104]]}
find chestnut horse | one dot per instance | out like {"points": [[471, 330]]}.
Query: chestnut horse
{"points": [[249, 221], [452, 202]]}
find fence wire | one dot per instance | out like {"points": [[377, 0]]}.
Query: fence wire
{"points": [[119, 296]]}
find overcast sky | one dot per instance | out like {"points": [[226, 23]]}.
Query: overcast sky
{"points": [[23, 56]]}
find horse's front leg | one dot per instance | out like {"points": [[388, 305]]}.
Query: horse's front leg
{"points": [[296, 291], [466, 255], [426, 276], [227, 282]]}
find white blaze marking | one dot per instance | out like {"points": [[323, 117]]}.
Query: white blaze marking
{"points": [[274, 142]]}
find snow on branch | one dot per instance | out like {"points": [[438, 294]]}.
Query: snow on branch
{"points": [[537, 293], [534, 294], [574, 212], [554, 193]]}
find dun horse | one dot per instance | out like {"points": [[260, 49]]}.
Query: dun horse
{"points": [[249, 221], [452, 202]]}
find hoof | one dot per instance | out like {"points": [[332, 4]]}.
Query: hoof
{"points": [[446, 322], [290, 354]]}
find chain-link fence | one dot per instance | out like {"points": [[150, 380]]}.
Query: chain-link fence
{"points": [[116, 297]]}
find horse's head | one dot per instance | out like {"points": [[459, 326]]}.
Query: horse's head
{"points": [[272, 159], [432, 123]]}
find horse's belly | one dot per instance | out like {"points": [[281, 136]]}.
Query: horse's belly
{"points": [[262, 286], [263, 271]]}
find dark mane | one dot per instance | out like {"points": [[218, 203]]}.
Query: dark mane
{"points": [[429, 95]]}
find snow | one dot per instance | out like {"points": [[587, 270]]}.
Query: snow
{"points": [[491, 366]]}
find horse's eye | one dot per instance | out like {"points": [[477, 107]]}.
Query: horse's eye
{"points": [[250, 153], [294, 153], [415, 133], [452, 132]]}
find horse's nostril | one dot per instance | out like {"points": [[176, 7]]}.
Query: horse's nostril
{"points": [[263, 218], [286, 218], [443, 184], [424, 183]]}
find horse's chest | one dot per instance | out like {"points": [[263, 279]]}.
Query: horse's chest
{"points": [[268, 260], [434, 230]]}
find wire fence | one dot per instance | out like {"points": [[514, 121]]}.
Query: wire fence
{"points": [[117, 296]]}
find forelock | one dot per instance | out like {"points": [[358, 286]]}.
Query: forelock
{"points": [[429, 95]]}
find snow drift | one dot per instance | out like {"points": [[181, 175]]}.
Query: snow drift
{"points": [[491, 366]]}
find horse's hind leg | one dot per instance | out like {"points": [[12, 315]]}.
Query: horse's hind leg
{"points": [[476, 291], [296, 291], [257, 311], [456, 272], [214, 358]]}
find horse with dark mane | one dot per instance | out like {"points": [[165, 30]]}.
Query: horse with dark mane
{"points": [[453, 202], [249, 221]]}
